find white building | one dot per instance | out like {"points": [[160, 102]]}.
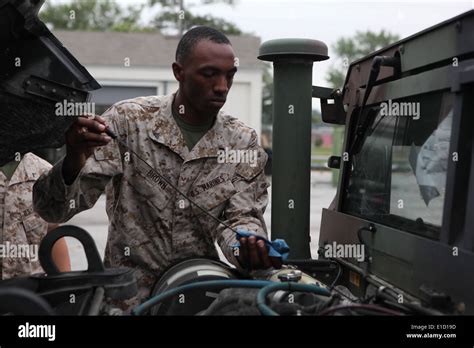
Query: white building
{"points": [[129, 65]]}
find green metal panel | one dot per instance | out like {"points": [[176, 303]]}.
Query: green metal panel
{"points": [[429, 81], [441, 44]]}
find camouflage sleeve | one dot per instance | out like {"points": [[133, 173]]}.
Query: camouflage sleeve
{"points": [[246, 207], [57, 202]]}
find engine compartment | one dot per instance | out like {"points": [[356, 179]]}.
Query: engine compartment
{"points": [[203, 287]]}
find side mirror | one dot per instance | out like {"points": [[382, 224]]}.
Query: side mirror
{"points": [[334, 162]]}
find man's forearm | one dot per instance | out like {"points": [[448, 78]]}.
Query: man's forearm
{"points": [[60, 256], [60, 252]]}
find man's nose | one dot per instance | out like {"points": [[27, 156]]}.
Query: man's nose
{"points": [[221, 86]]}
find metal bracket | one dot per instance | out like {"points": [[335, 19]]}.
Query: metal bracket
{"points": [[334, 112], [52, 90]]}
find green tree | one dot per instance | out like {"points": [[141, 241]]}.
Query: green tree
{"points": [[352, 48], [93, 15], [108, 15], [175, 15]]}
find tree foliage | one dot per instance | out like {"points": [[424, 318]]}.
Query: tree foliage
{"points": [[167, 20], [177, 16], [92, 15], [349, 49], [173, 16]]}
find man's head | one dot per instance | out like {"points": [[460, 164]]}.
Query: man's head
{"points": [[204, 68]]}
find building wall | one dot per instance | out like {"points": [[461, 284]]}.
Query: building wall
{"points": [[244, 99]]}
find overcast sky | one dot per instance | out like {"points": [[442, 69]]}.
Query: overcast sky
{"points": [[328, 20]]}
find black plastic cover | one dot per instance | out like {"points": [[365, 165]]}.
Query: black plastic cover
{"points": [[36, 72]]}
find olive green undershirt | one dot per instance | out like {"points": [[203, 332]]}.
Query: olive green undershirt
{"points": [[192, 133], [9, 168]]}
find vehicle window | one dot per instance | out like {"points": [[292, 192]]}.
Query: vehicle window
{"points": [[398, 173]]}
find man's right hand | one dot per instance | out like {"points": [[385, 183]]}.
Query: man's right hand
{"points": [[86, 133]]}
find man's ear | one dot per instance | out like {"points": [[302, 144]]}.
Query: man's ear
{"points": [[177, 71]]}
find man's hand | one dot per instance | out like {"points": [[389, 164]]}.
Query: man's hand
{"points": [[253, 254], [81, 138], [85, 134]]}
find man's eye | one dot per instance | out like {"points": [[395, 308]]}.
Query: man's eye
{"points": [[208, 73]]}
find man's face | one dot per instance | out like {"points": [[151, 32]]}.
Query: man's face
{"points": [[206, 76]]}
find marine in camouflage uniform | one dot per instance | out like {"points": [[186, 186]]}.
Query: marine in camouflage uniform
{"points": [[20, 226], [151, 225]]}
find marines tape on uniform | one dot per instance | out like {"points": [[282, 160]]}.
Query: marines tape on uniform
{"points": [[148, 226]]}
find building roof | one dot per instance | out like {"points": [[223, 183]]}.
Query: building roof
{"points": [[143, 49]]}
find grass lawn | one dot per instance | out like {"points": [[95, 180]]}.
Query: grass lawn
{"points": [[321, 151]]}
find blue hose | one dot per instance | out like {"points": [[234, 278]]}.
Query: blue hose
{"points": [[210, 284], [262, 294]]}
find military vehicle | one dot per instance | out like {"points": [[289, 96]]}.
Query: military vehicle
{"points": [[398, 238], [405, 188]]}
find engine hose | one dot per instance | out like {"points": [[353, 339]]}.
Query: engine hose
{"points": [[210, 284], [264, 292]]}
